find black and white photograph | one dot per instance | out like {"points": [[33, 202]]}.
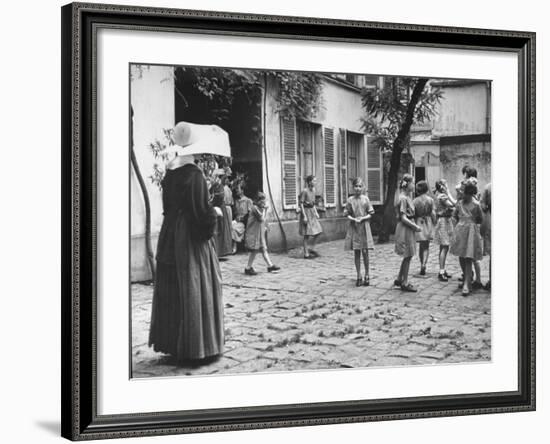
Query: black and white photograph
{"points": [[298, 221]]}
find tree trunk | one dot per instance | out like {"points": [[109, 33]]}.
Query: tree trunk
{"points": [[148, 246], [389, 220]]}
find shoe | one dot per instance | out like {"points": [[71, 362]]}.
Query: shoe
{"points": [[442, 278], [477, 285], [366, 281], [465, 292], [487, 286], [359, 282], [422, 271], [447, 275], [309, 257], [273, 269], [408, 288], [313, 253], [250, 271], [397, 283]]}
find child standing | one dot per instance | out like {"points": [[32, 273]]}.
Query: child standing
{"points": [[424, 216], [256, 235], [359, 237], [241, 207], [310, 227], [444, 205], [467, 239], [223, 227], [405, 241], [470, 175]]}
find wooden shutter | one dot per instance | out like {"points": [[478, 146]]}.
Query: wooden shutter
{"points": [[374, 172], [330, 167], [288, 148], [343, 167]]}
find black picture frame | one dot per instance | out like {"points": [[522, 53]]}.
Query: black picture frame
{"points": [[80, 420]]}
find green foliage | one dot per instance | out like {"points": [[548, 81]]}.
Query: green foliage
{"points": [[386, 108], [208, 163], [299, 94], [222, 86]]}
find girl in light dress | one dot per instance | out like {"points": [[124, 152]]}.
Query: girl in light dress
{"points": [[444, 206], [405, 240], [467, 244], [424, 217], [470, 175], [310, 227], [359, 237], [256, 235]]}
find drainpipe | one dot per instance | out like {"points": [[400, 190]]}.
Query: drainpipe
{"points": [[264, 148]]}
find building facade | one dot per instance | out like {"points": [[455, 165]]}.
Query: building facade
{"points": [[459, 135], [330, 145]]}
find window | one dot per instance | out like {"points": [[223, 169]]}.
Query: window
{"points": [[354, 147]]}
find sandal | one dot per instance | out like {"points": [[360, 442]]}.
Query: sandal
{"points": [[465, 292], [408, 288], [442, 278], [422, 271], [366, 281], [397, 283], [477, 285], [359, 282]]}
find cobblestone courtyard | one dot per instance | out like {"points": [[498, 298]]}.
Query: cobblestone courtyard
{"points": [[311, 316]]}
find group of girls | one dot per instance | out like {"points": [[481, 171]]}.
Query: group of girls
{"points": [[241, 220], [461, 226]]}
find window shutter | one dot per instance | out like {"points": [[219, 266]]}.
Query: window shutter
{"points": [[330, 164], [288, 148], [374, 172], [343, 167]]}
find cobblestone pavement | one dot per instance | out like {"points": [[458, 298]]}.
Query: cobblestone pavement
{"points": [[311, 316]]}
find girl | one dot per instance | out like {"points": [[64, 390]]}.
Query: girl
{"points": [[405, 242], [310, 226], [485, 228], [358, 237], [470, 175], [424, 216], [223, 230], [444, 205], [467, 239], [256, 235], [241, 206], [228, 201]]}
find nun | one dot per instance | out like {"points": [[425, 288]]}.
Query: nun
{"points": [[187, 311]]}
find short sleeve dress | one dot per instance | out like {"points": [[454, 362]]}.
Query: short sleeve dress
{"points": [[311, 227], [405, 239], [444, 226], [423, 216], [467, 238], [358, 235], [256, 230]]}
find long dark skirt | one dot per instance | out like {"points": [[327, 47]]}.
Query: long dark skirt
{"points": [[187, 312]]}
